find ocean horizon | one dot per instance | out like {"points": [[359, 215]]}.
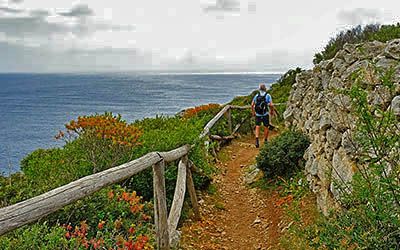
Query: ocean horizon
{"points": [[35, 106]]}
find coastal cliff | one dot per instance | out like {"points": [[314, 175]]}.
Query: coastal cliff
{"points": [[318, 107]]}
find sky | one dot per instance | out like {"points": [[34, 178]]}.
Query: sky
{"points": [[176, 35]]}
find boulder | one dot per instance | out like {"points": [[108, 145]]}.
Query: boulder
{"points": [[334, 138], [253, 174], [381, 96], [342, 168], [392, 49], [395, 105]]}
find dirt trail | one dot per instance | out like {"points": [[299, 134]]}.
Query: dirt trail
{"points": [[236, 216]]}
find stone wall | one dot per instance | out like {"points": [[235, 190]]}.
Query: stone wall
{"points": [[317, 108]]}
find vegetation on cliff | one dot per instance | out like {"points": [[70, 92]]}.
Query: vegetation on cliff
{"points": [[359, 34]]}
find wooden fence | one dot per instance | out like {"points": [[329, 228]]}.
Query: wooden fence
{"points": [[28, 211]]}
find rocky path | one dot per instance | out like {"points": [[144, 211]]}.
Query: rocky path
{"points": [[235, 216]]}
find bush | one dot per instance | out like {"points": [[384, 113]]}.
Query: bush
{"points": [[283, 155], [280, 90], [122, 222], [105, 139]]}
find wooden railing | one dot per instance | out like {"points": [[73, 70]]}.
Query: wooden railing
{"points": [[28, 211]]}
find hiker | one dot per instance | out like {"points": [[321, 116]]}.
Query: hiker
{"points": [[261, 107]]}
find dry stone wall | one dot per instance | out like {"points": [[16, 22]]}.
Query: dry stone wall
{"points": [[318, 109]]}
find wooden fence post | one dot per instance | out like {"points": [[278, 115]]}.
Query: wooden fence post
{"points": [[229, 116], [160, 206], [192, 192]]}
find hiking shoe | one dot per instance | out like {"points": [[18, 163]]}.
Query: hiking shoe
{"points": [[271, 127], [257, 143]]}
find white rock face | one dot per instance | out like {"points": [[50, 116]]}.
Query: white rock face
{"points": [[318, 107]]}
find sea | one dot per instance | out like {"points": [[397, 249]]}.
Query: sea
{"points": [[34, 107]]}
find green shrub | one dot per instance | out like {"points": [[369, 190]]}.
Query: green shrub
{"points": [[280, 90], [283, 155], [37, 236], [121, 219]]}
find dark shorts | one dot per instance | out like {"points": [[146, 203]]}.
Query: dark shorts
{"points": [[263, 119]]}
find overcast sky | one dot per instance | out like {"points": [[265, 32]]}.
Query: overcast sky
{"points": [[174, 35]]}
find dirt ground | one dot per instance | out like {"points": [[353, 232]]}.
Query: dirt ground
{"points": [[235, 216]]}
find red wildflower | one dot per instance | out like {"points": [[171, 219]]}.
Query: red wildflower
{"points": [[101, 225]]}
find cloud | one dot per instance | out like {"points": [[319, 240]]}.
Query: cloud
{"points": [[223, 6], [10, 10], [31, 26], [252, 7], [39, 13], [20, 58], [360, 16], [16, 1], [36, 25], [81, 10]]}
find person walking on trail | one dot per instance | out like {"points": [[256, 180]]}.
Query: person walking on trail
{"points": [[261, 107]]}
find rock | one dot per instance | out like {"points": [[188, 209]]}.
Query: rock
{"points": [[384, 62], [342, 102], [343, 167], [349, 58], [287, 227], [395, 105], [350, 47], [333, 138], [324, 169], [338, 64], [324, 122], [380, 96], [349, 145], [324, 201], [369, 50], [288, 115], [252, 175], [336, 83], [359, 65], [392, 49], [327, 64], [256, 221], [311, 167]]}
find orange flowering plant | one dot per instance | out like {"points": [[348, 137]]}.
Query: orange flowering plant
{"points": [[191, 112], [106, 139], [105, 126]]}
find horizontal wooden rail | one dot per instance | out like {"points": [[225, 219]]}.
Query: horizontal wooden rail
{"points": [[25, 212], [226, 109], [249, 106], [211, 123]]}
